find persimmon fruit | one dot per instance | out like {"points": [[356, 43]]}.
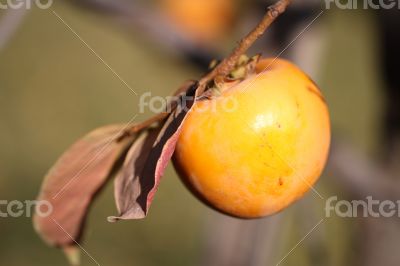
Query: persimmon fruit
{"points": [[204, 21], [257, 158]]}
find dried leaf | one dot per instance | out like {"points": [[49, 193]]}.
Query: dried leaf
{"points": [[74, 180], [129, 183], [145, 164]]}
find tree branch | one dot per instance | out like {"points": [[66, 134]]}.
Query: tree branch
{"points": [[153, 24], [361, 176], [227, 65]]}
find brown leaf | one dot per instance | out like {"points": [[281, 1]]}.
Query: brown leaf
{"points": [[74, 180], [129, 182], [137, 183]]}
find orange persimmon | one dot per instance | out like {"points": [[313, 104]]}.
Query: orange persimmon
{"points": [[263, 154]]}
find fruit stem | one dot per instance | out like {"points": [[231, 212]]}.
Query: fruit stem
{"points": [[226, 65]]}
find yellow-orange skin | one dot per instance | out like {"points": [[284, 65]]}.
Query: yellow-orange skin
{"points": [[255, 159], [203, 20]]}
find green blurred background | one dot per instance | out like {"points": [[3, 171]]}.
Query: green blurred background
{"points": [[53, 90]]}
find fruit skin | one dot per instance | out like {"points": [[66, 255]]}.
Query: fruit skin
{"points": [[261, 157], [204, 21]]}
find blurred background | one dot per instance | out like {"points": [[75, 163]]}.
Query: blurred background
{"points": [[70, 68]]}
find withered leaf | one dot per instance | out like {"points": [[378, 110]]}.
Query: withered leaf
{"points": [[128, 183], [137, 183], [72, 183]]}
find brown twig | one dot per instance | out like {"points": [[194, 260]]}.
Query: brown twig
{"points": [[141, 16], [159, 117], [226, 65]]}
